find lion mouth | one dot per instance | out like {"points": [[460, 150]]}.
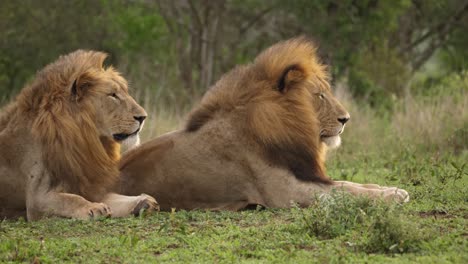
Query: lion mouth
{"points": [[124, 136], [328, 135], [325, 135]]}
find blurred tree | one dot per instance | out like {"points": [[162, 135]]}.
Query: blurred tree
{"points": [[194, 26], [36, 32], [379, 45], [345, 28], [177, 48], [211, 36], [145, 47], [427, 26], [454, 52]]}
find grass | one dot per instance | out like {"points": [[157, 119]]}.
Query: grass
{"points": [[431, 228]]}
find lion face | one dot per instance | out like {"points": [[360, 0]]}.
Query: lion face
{"points": [[118, 116], [332, 117]]}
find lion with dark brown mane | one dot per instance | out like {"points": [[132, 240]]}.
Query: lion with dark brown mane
{"points": [[258, 137], [60, 142]]}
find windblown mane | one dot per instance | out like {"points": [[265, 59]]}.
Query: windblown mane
{"points": [[272, 100], [72, 151]]}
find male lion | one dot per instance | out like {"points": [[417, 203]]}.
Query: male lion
{"points": [[258, 137], [60, 140]]}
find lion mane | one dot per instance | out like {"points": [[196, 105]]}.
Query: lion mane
{"points": [[72, 151], [60, 142], [285, 126]]}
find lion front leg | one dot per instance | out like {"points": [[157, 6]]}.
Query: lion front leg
{"points": [[122, 205], [67, 205], [373, 191], [43, 201]]}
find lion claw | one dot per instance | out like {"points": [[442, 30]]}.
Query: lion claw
{"points": [[98, 210], [146, 203]]}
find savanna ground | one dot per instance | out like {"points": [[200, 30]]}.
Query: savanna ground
{"points": [[420, 145]]}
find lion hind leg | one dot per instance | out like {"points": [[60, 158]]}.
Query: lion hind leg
{"points": [[122, 205]]}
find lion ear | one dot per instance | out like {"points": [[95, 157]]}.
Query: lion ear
{"points": [[80, 86], [291, 76], [74, 91]]}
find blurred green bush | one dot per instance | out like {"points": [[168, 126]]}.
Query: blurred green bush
{"points": [[177, 49]]}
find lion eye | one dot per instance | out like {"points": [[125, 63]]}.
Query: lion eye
{"points": [[321, 96], [114, 95]]}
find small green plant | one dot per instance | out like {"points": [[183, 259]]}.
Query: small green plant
{"points": [[334, 215], [390, 231], [374, 226]]}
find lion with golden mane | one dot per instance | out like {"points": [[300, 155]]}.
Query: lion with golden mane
{"points": [[60, 142], [258, 137]]}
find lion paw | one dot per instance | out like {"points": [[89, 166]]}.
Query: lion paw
{"points": [[395, 194], [97, 210], [146, 203]]}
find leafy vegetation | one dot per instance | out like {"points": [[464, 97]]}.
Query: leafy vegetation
{"points": [[376, 227], [177, 49]]}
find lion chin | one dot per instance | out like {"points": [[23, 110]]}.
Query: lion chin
{"points": [[131, 142], [332, 142]]}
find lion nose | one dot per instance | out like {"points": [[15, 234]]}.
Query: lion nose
{"points": [[140, 118], [343, 119]]}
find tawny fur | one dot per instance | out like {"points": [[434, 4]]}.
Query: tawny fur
{"points": [[71, 147], [258, 136], [53, 137], [281, 122]]}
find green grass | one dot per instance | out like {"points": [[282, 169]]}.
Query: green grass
{"points": [[431, 228]]}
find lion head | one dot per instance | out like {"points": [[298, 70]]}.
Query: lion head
{"points": [[284, 102], [80, 112], [304, 82], [117, 115], [332, 115]]}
